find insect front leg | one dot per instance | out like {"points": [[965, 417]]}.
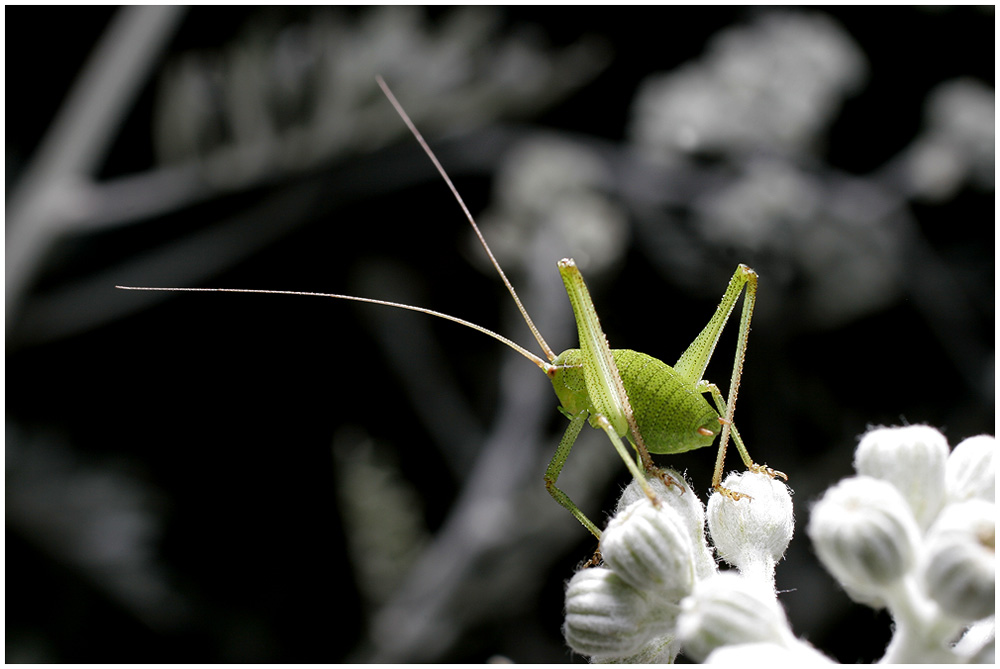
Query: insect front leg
{"points": [[562, 452], [555, 468]]}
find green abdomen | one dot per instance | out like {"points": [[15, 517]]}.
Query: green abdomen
{"points": [[667, 408]]}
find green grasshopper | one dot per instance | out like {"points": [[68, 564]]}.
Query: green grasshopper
{"points": [[659, 408]]}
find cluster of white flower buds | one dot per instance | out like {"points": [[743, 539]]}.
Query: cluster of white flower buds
{"points": [[915, 532], [660, 591]]}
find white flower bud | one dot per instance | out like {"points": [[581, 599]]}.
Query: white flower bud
{"points": [[752, 534], [688, 507], [912, 458], [970, 472], [649, 547], [661, 650], [767, 654], [633, 492], [978, 644], [865, 535], [605, 616], [959, 567], [682, 499], [730, 609]]}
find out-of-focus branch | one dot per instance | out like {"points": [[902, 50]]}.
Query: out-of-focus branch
{"points": [[79, 139]]}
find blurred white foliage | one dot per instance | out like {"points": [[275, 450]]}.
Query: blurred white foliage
{"points": [[848, 258], [915, 532], [290, 95], [774, 84], [557, 189], [762, 98], [958, 142], [381, 512], [97, 518], [766, 206]]}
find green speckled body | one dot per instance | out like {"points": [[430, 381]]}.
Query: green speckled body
{"points": [[667, 408]]}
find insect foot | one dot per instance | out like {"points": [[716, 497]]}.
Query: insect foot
{"points": [[731, 494], [914, 532], [660, 592], [595, 560], [764, 469], [666, 478]]}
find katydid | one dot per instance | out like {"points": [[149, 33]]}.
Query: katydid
{"points": [[658, 408]]}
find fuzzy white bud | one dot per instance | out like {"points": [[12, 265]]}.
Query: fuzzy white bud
{"points": [[970, 472], [660, 650], [687, 506], [752, 534], [605, 616], [959, 567], [730, 609], [865, 534], [912, 458], [650, 548], [978, 644], [767, 654]]}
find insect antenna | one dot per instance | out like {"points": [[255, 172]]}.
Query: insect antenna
{"points": [[430, 312], [454, 191], [542, 364]]}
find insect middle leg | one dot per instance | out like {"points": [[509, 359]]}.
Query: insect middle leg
{"points": [[562, 452], [720, 404]]}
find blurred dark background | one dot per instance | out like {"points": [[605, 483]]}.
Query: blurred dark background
{"points": [[250, 478]]}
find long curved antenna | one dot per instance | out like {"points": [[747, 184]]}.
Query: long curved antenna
{"points": [[454, 319], [543, 365], [430, 154]]}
